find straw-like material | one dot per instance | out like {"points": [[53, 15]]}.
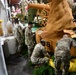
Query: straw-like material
{"points": [[60, 18]]}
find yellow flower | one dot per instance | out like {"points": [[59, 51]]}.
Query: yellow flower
{"points": [[1, 21]]}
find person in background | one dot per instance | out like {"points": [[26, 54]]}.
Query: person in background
{"points": [[29, 39], [18, 33], [40, 55], [9, 27], [62, 54]]}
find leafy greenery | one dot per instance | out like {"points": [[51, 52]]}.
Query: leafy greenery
{"points": [[43, 70], [24, 51], [53, 57], [74, 73], [20, 16]]}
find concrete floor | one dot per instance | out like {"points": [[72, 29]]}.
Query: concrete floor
{"points": [[19, 66]]}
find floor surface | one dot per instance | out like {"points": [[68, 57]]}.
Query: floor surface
{"points": [[19, 66]]}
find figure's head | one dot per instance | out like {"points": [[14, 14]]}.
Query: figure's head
{"points": [[30, 24], [42, 42]]}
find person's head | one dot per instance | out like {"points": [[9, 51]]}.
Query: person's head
{"points": [[65, 36], [42, 42], [16, 21], [30, 24]]}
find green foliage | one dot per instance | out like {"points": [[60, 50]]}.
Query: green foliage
{"points": [[74, 73], [43, 70], [30, 64], [24, 51], [53, 57], [47, 70], [20, 16]]}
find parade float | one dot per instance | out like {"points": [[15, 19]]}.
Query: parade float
{"points": [[58, 21]]}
